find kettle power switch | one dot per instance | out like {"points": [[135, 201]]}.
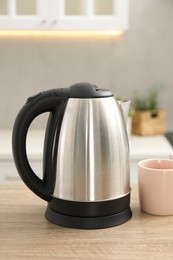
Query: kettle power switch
{"points": [[34, 96]]}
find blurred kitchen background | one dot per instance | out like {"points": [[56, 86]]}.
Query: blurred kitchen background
{"points": [[137, 60]]}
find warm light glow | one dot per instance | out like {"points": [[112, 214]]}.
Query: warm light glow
{"points": [[35, 33]]}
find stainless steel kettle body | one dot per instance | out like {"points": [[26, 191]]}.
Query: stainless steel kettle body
{"points": [[86, 156]]}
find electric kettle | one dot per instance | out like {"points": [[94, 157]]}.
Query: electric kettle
{"points": [[86, 171]]}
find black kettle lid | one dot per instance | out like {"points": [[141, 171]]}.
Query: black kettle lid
{"points": [[88, 90]]}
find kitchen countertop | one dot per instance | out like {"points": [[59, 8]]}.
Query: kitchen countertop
{"points": [[144, 147], [26, 234], [140, 146]]}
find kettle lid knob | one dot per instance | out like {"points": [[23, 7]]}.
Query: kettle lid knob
{"points": [[88, 90]]}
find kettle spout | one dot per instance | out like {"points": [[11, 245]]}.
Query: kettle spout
{"points": [[125, 105]]}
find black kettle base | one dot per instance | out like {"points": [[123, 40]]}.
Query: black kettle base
{"points": [[88, 222]]}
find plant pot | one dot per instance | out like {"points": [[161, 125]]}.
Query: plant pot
{"points": [[151, 122]]}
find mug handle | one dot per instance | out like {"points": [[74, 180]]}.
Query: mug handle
{"points": [[47, 101]]}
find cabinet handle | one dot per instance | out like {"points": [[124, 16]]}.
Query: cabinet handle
{"points": [[43, 21], [12, 178], [54, 21]]}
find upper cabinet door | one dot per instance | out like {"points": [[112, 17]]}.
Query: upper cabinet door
{"points": [[64, 14], [90, 14], [23, 14]]}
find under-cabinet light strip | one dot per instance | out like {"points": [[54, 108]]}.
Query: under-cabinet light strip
{"points": [[35, 33]]}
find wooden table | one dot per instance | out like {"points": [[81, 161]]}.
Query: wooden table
{"points": [[26, 234]]}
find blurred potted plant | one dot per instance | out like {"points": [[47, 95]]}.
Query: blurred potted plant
{"points": [[148, 118]]}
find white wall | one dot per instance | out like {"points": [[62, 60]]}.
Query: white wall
{"points": [[139, 59]]}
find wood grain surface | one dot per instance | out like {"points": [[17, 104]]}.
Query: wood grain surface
{"points": [[26, 234]]}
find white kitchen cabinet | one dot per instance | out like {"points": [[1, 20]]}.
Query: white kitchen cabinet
{"points": [[9, 174], [64, 14], [90, 14], [147, 147], [34, 144], [23, 14]]}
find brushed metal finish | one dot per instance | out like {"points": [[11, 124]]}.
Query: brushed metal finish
{"points": [[93, 152]]}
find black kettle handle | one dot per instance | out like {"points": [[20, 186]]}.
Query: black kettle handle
{"points": [[43, 102]]}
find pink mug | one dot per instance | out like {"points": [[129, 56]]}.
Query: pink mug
{"points": [[155, 183]]}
